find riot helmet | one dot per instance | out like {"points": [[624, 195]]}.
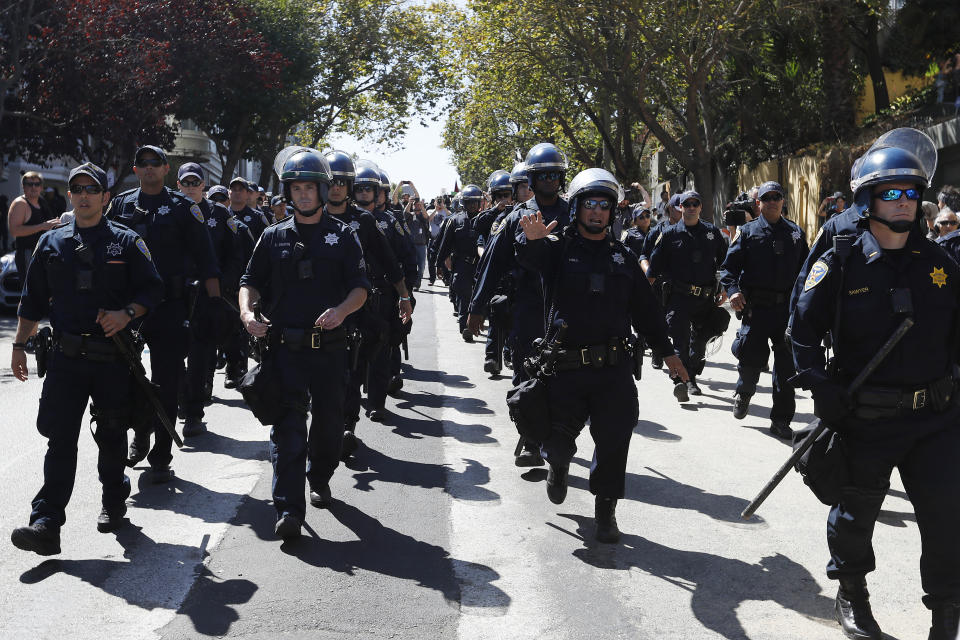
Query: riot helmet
{"points": [[901, 155], [498, 182], [303, 164], [341, 167], [471, 197], [596, 182], [545, 159], [366, 182]]}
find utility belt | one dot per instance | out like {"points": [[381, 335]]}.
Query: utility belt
{"points": [[874, 403], [320, 339], [597, 356], [693, 290], [467, 259], [766, 297], [88, 347]]}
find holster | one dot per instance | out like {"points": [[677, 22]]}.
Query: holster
{"points": [[529, 406]]}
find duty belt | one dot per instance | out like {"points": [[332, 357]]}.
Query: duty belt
{"points": [[468, 259], [90, 347], [889, 402], [596, 356], [696, 290], [766, 297], [316, 338]]}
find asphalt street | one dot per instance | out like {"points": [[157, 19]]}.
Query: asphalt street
{"points": [[434, 533]]}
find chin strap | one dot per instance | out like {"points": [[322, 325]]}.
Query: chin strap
{"points": [[897, 226]]}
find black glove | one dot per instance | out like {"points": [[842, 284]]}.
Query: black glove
{"points": [[831, 403]]}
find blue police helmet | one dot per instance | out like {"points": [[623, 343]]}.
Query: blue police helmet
{"points": [[306, 165], [471, 193], [542, 158], [499, 180], [366, 172], [384, 181], [519, 173], [341, 166], [594, 181], [881, 165]]}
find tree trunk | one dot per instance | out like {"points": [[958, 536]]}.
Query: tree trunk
{"points": [[236, 152], [881, 98], [838, 117]]}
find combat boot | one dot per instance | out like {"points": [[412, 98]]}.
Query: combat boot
{"points": [[656, 362], [111, 519], [853, 610], [946, 622], [529, 457], [394, 386], [490, 366], [604, 514], [780, 427], [557, 482], [692, 387], [741, 403], [38, 537], [288, 527], [680, 391], [350, 442], [193, 426], [321, 497], [467, 335]]}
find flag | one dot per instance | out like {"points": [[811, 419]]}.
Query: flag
{"points": [[456, 186]]}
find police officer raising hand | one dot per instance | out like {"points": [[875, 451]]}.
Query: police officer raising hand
{"points": [[534, 228]]}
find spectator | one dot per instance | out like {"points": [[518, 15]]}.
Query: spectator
{"points": [[949, 197], [418, 222], [947, 222], [56, 202], [441, 213], [930, 211], [831, 206], [662, 205], [29, 218]]}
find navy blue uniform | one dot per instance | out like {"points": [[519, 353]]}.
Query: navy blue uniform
{"points": [[69, 290], [499, 260], [635, 240], [255, 220], [687, 258], [850, 222], [922, 441], [176, 231], [459, 241], [762, 264], [598, 318], [951, 244], [376, 317], [301, 270]]}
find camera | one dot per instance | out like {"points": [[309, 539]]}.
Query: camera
{"points": [[735, 213], [633, 195]]}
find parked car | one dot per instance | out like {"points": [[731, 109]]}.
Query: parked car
{"points": [[10, 284]]}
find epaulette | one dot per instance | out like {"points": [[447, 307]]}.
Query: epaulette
{"points": [[125, 193]]}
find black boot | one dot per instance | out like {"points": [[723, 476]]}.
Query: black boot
{"points": [[111, 519], [741, 404], [38, 538], [193, 426], [530, 456], [692, 387], [946, 621], [853, 610], [604, 513], [350, 442], [557, 483]]}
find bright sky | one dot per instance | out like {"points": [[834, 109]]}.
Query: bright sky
{"points": [[420, 160]]}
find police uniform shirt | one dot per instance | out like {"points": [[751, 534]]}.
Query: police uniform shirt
{"points": [[383, 267], [601, 292], [849, 222], [401, 244], [689, 255], [499, 258], [459, 240], [867, 316], [634, 240], [71, 290], [650, 241], [255, 220], [174, 229], [951, 244], [764, 256], [301, 276]]}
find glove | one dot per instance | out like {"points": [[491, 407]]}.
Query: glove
{"points": [[831, 403]]}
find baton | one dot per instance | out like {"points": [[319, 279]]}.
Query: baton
{"points": [[821, 427]]}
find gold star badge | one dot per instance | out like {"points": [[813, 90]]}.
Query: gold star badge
{"points": [[938, 277]]}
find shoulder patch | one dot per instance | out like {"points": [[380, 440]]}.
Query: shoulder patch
{"points": [[195, 210], [495, 227], [143, 248], [816, 275], [232, 224]]}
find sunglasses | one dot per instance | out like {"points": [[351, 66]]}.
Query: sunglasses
{"points": [[550, 175], [219, 198], [948, 223], [643, 216], [190, 182], [339, 182], [691, 204], [591, 204], [891, 195], [363, 187], [149, 162], [92, 189], [33, 184], [771, 197]]}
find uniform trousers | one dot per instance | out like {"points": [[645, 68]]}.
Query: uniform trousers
{"points": [[762, 327], [686, 319]]}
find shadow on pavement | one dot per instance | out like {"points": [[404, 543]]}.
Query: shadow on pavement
{"points": [[417, 429], [126, 579], [442, 377], [388, 552], [372, 466], [183, 497], [655, 431], [213, 442], [718, 585], [463, 404]]}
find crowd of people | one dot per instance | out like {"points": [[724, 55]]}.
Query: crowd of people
{"points": [[572, 281]]}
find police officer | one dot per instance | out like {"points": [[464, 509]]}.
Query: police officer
{"points": [[686, 256], [379, 323], [309, 270], [384, 273], [176, 231], [636, 235], [594, 284], [758, 274], [673, 214], [219, 195], [501, 194], [240, 194], [458, 252], [546, 168], [906, 413], [212, 319], [92, 278]]}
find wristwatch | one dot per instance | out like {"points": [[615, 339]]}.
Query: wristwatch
{"points": [[130, 311]]}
